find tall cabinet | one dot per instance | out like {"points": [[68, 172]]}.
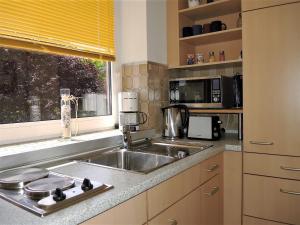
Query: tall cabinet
{"points": [[271, 54]]}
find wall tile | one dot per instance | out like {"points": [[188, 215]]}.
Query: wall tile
{"points": [[151, 82]]}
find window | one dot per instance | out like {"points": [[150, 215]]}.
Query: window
{"points": [[30, 86], [49, 45]]}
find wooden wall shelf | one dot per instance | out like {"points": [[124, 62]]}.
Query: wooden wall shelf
{"points": [[237, 62], [214, 37], [217, 111], [213, 9]]}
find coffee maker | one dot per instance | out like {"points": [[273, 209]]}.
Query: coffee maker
{"points": [[129, 114]]}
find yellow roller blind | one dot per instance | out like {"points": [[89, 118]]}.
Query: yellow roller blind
{"points": [[70, 27]]}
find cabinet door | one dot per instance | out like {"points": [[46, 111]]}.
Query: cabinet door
{"points": [[131, 212], [172, 33], [210, 202], [232, 188], [255, 221], [272, 165], [271, 50], [256, 4], [184, 212], [272, 198]]}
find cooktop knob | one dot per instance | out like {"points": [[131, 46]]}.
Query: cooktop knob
{"points": [[86, 185], [58, 195]]}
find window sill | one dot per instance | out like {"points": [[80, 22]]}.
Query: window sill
{"points": [[35, 131], [28, 153]]}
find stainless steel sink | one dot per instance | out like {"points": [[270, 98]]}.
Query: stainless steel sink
{"points": [[129, 160], [173, 148], [145, 157]]}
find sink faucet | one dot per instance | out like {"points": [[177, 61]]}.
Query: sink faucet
{"points": [[126, 137]]}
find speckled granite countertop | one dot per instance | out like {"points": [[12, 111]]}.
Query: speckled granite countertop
{"points": [[126, 186]]}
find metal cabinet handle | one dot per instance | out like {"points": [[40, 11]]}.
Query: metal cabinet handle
{"points": [[261, 143], [289, 192], [172, 221], [212, 168], [289, 168], [213, 191]]}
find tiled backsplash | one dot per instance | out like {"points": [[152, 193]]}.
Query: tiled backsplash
{"points": [[150, 81]]}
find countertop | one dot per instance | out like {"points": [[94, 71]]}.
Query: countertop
{"points": [[126, 185]]}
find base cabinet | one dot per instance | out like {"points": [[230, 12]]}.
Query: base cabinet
{"points": [[255, 221], [193, 197], [232, 188], [272, 198], [201, 207], [131, 212], [210, 202], [185, 212]]}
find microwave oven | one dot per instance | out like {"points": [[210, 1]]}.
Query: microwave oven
{"points": [[202, 92]]}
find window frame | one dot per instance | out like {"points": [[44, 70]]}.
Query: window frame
{"points": [[14, 133]]}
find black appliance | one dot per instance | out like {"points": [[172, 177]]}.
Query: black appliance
{"points": [[202, 92], [238, 90]]}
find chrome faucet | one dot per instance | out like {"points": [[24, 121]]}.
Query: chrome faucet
{"points": [[126, 137]]}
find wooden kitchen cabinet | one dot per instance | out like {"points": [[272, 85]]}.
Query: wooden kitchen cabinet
{"points": [[247, 220], [257, 4], [173, 33], [168, 192], [232, 188], [201, 207], [271, 55], [210, 168], [272, 165], [272, 198], [184, 212], [210, 202], [131, 212]]}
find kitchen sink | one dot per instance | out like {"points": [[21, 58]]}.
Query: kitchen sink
{"points": [[146, 157], [174, 149], [130, 160]]}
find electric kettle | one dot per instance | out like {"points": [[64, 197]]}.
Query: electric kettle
{"points": [[175, 119]]}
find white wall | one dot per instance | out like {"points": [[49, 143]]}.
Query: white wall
{"points": [[140, 31], [131, 30], [157, 31]]}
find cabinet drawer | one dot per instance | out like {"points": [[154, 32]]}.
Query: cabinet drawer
{"points": [[167, 193], [179, 213], [210, 202], [272, 165], [272, 198], [255, 221], [210, 167], [256, 4], [131, 212]]}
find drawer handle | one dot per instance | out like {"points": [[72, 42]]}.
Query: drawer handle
{"points": [[213, 191], [289, 192], [172, 221], [212, 168], [261, 143], [289, 168]]}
